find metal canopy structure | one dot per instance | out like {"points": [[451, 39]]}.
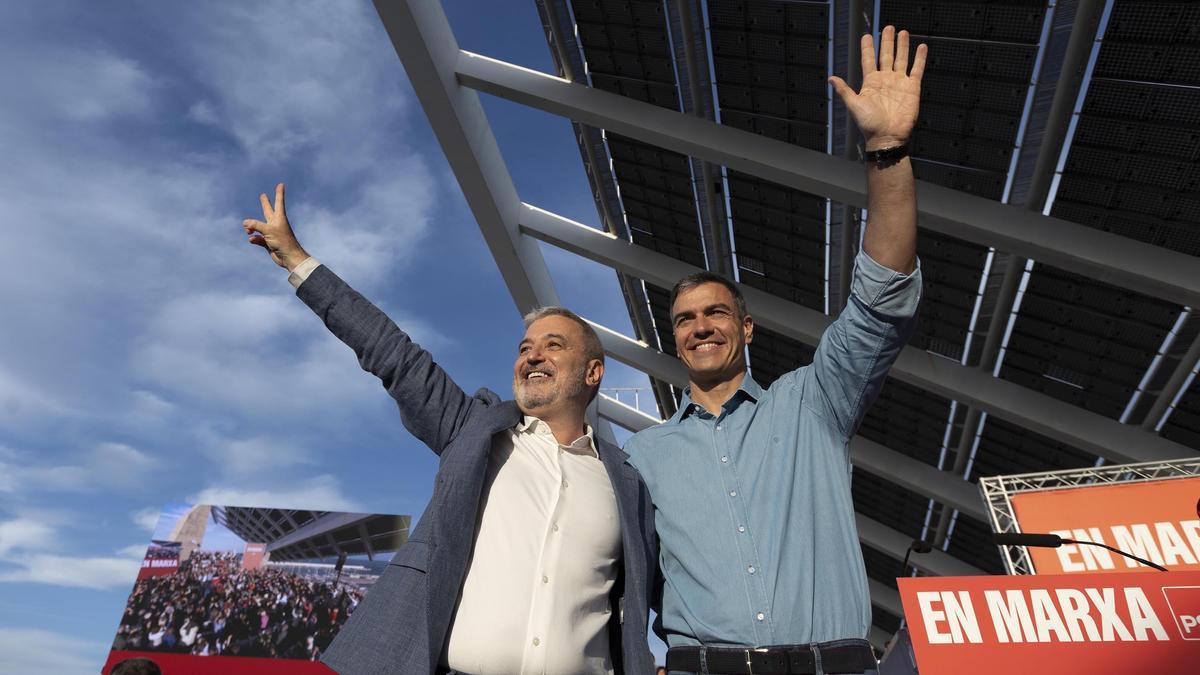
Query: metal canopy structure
{"points": [[292, 535], [1058, 191], [998, 492]]}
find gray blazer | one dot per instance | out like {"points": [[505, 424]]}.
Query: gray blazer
{"points": [[401, 627]]}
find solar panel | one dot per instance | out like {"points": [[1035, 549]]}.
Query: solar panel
{"points": [[882, 500], [1133, 169], [1005, 448], [972, 543], [1123, 330], [772, 355], [908, 420]]}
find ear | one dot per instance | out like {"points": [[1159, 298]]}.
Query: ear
{"points": [[595, 373], [748, 328]]}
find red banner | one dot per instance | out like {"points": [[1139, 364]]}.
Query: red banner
{"points": [[1155, 520], [254, 556], [1096, 623]]}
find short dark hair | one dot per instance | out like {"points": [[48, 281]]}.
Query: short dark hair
{"points": [[699, 279], [136, 667]]}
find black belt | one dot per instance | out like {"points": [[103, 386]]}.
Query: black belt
{"points": [[784, 660]]}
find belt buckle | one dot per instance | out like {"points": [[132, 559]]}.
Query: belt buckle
{"points": [[749, 665]]}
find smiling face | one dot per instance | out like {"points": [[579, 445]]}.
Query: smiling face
{"points": [[552, 369], [710, 337]]}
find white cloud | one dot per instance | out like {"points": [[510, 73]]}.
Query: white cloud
{"points": [[319, 493], [102, 467], [265, 358], [78, 85], [147, 518], [21, 400], [28, 554], [132, 551], [117, 233], [104, 572], [28, 650], [238, 456], [25, 533]]}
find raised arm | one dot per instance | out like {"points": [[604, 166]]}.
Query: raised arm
{"points": [[885, 111], [858, 349], [432, 407]]}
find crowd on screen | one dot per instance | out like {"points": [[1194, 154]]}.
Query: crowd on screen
{"points": [[159, 551], [211, 606]]}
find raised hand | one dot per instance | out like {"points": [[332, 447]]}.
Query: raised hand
{"points": [[885, 109], [274, 233]]}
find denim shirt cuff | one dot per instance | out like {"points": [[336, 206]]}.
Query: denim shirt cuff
{"points": [[885, 290]]}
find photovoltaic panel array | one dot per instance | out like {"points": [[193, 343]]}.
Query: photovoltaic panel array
{"points": [[1005, 448], [771, 60], [1083, 341], [976, 82], [1132, 168], [628, 51]]}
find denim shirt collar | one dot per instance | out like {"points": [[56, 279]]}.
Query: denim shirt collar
{"points": [[747, 390]]}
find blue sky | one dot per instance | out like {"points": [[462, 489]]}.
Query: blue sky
{"points": [[150, 355]]}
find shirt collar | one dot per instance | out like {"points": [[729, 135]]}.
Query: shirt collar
{"points": [[747, 390], [584, 445]]}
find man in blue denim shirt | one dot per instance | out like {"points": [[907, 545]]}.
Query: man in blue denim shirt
{"points": [[761, 566]]}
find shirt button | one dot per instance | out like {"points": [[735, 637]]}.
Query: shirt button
{"points": [[564, 483], [537, 642], [741, 528], [749, 569], [760, 616], [718, 427], [555, 527], [546, 579], [724, 458], [733, 493]]}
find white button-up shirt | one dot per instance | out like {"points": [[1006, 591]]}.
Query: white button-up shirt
{"points": [[536, 596]]}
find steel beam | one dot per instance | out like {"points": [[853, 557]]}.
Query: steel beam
{"points": [[1033, 410], [690, 44], [878, 638], [917, 476], [1100, 255], [895, 544], [624, 416], [1174, 383], [885, 597], [426, 46]]}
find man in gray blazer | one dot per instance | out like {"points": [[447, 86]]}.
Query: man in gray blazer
{"points": [[536, 552]]}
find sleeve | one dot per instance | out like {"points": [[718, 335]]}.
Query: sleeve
{"points": [[302, 271], [432, 407], [860, 346]]}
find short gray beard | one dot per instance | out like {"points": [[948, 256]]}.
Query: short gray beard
{"points": [[567, 389]]}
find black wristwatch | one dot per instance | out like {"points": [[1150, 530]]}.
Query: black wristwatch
{"points": [[886, 154]]}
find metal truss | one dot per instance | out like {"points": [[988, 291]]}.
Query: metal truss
{"points": [[998, 492]]}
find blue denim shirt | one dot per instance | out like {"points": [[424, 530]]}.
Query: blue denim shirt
{"points": [[757, 536]]}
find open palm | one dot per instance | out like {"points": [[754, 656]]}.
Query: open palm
{"points": [[886, 107]]}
